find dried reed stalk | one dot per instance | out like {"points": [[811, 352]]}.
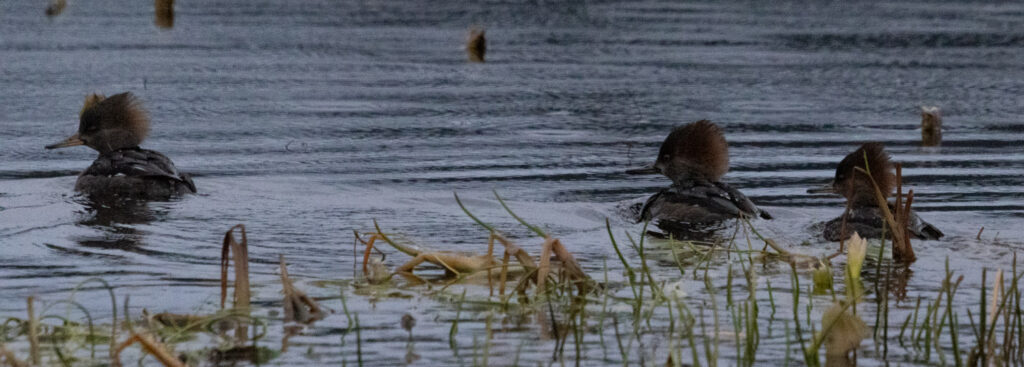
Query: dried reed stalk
{"points": [[240, 255], [149, 345], [163, 13], [298, 307]]}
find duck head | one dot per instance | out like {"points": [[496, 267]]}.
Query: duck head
{"points": [[109, 124], [695, 151], [855, 185]]}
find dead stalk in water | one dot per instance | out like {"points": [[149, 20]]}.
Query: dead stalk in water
{"points": [[33, 331], [298, 307], [902, 250], [476, 44], [239, 252], [149, 345]]}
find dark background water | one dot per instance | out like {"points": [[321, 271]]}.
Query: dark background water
{"points": [[305, 120]]}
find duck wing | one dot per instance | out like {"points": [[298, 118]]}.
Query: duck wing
{"points": [[714, 198], [923, 230], [137, 162]]}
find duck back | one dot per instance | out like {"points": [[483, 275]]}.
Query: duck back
{"points": [[135, 173]]}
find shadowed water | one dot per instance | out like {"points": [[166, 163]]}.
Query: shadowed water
{"points": [[306, 120]]}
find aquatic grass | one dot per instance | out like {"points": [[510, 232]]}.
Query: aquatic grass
{"points": [[68, 328], [661, 326], [452, 343], [113, 305]]}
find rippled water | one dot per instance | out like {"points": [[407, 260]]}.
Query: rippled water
{"points": [[305, 120]]}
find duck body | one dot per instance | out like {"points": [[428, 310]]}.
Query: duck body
{"points": [[699, 202], [135, 173], [868, 223]]}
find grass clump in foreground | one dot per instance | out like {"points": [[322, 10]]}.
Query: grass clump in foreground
{"points": [[647, 316]]}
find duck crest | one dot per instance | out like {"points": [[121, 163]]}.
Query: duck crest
{"points": [[122, 111], [91, 100]]}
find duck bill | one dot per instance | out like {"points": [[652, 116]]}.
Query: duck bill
{"points": [[69, 142], [828, 188], [644, 171]]}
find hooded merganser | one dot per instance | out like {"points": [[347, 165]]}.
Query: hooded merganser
{"points": [[931, 126], [864, 216], [695, 157], [115, 127]]}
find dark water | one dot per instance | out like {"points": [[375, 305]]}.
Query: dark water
{"points": [[305, 120]]}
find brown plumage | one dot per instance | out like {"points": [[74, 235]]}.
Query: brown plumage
{"points": [[931, 126], [476, 44], [855, 185], [114, 123], [115, 127], [694, 151], [90, 100]]}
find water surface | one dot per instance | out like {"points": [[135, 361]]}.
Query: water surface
{"points": [[306, 120]]}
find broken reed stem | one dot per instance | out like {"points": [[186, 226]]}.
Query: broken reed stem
{"points": [[240, 255], [158, 350], [545, 266], [476, 44], [298, 307], [570, 266], [902, 251], [33, 331], [504, 275], [369, 248], [239, 252]]}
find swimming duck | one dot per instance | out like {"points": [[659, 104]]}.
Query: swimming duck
{"points": [[695, 157], [115, 127], [864, 216]]}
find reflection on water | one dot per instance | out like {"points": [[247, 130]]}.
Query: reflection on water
{"points": [[307, 120], [115, 220]]}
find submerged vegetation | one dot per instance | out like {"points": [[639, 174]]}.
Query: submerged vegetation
{"points": [[643, 317]]}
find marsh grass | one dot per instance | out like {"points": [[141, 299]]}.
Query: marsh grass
{"points": [[643, 315]]}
